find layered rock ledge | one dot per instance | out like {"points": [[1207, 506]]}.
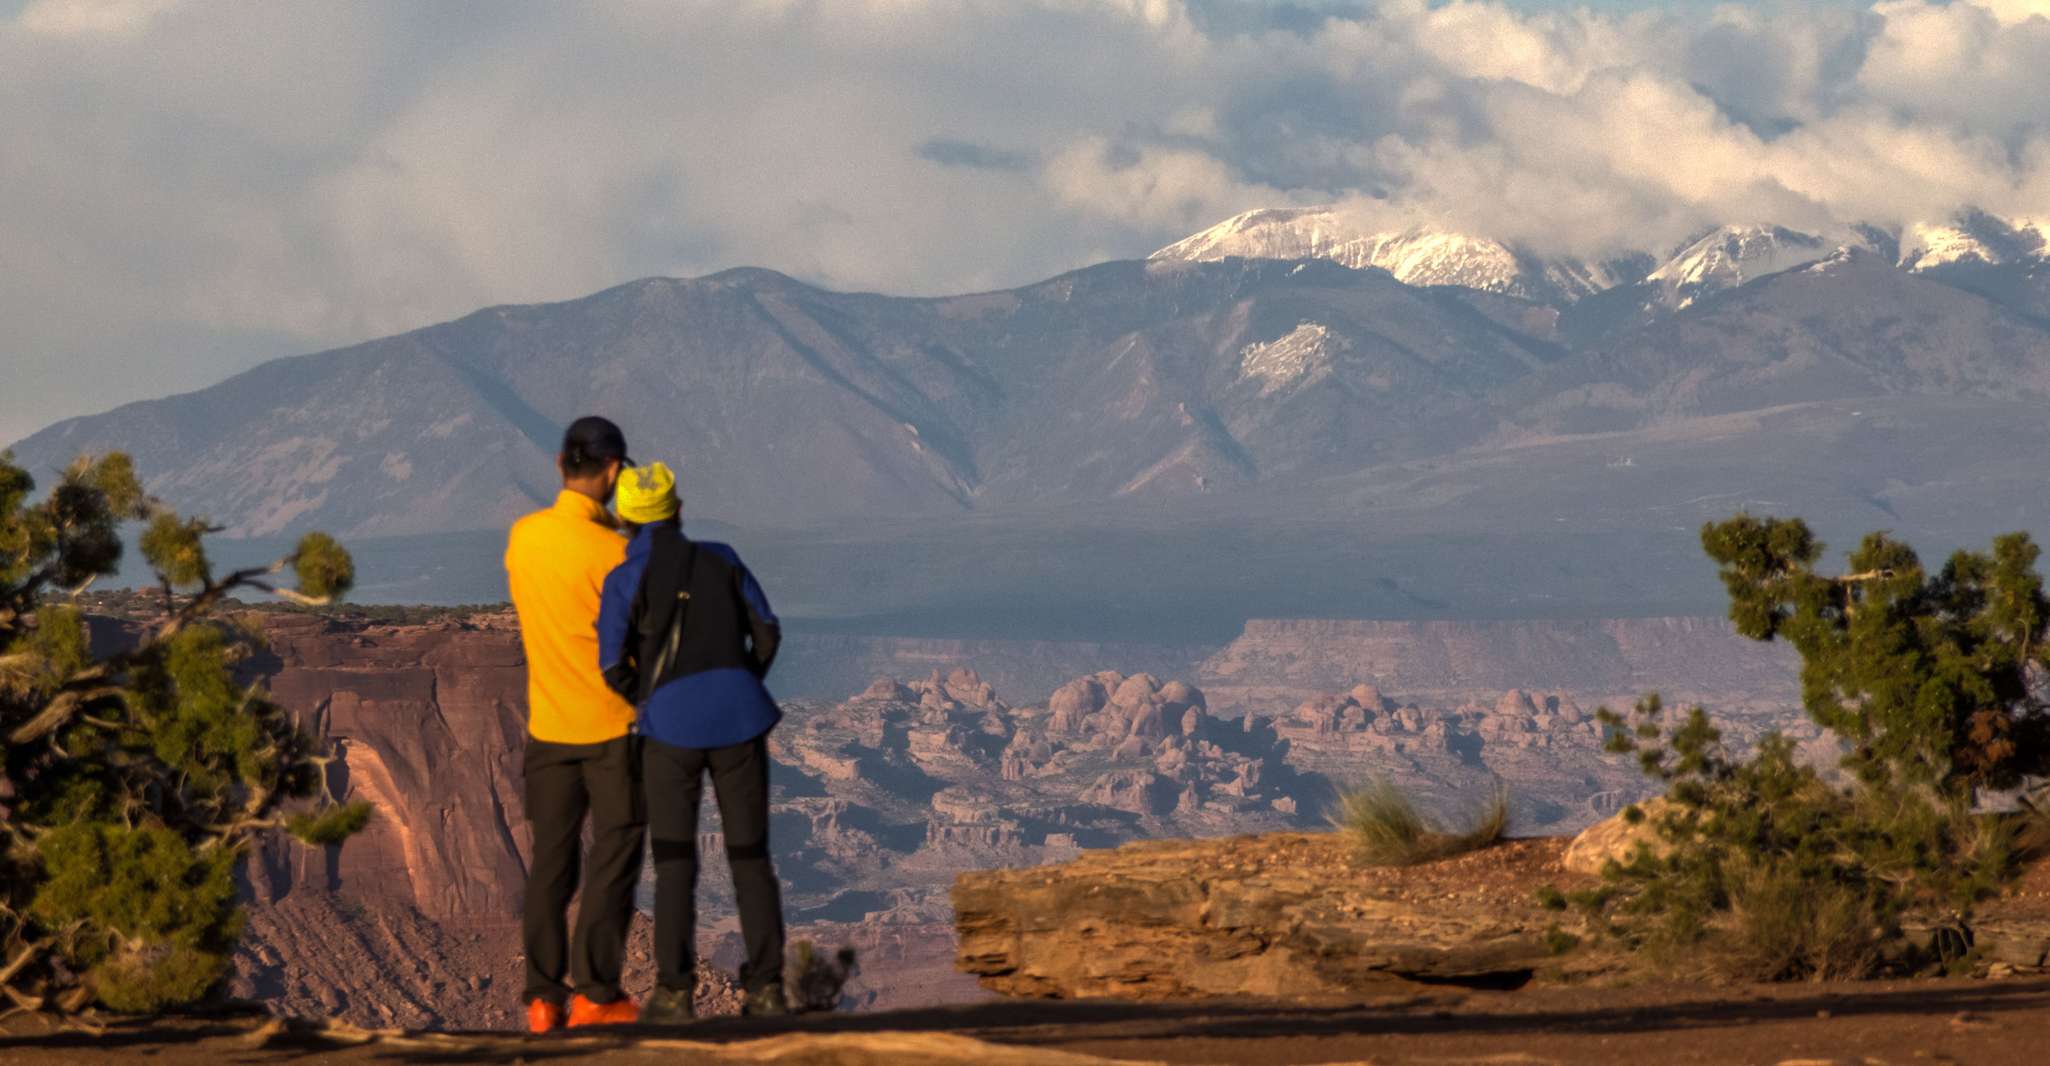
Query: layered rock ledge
{"points": [[1284, 915]]}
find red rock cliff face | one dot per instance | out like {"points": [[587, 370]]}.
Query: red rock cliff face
{"points": [[428, 723], [415, 921]]}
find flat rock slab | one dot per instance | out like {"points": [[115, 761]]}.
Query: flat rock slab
{"points": [[1892, 1023], [1286, 915], [175, 1043]]}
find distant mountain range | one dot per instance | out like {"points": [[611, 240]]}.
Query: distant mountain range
{"points": [[791, 406], [1275, 387], [1719, 259]]}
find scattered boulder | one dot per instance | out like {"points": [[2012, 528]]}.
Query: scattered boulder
{"points": [[1137, 791], [968, 688], [1137, 690], [1074, 702], [1617, 837], [1179, 694], [1516, 703], [885, 688], [1149, 722]]}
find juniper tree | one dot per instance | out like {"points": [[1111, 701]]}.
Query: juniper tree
{"points": [[1931, 681], [134, 780]]}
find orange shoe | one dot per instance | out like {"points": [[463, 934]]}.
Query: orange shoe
{"points": [[543, 1016], [620, 1011]]}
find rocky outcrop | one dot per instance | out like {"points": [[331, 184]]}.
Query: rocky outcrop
{"points": [[1283, 915]]}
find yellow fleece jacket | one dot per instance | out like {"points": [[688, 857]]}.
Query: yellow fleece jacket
{"points": [[556, 561]]}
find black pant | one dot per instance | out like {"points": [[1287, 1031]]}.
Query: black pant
{"points": [[564, 781], [740, 779]]}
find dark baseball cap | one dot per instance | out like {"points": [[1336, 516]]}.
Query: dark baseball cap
{"points": [[594, 439]]}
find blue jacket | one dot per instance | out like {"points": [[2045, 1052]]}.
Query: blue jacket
{"points": [[709, 709]]}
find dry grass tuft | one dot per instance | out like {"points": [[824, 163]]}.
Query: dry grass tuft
{"points": [[1784, 927], [1387, 829]]}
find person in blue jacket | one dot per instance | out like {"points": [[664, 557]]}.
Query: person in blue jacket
{"points": [[685, 632]]}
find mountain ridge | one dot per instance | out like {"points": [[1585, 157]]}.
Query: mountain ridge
{"points": [[1182, 441], [1118, 379]]}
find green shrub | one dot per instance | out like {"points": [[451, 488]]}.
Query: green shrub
{"points": [[1387, 829], [1558, 941], [133, 784], [1774, 872]]}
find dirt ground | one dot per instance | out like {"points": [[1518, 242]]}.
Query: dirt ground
{"points": [[1993, 1022]]}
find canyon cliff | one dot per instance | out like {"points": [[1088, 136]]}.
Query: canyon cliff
{"points": [[880, 799]]}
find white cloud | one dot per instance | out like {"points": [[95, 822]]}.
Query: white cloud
{"points": [[2014, 11], [201, 182], [1161, 187], [82, 17]]}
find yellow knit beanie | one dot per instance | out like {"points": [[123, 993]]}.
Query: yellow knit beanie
{"points": [[647, 494]]}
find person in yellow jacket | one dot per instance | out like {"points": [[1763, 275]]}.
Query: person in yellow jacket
{"points": [[581, 758]]}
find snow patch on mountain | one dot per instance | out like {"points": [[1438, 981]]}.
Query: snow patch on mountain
{"points": [[1419, 255], [1304, 353]]}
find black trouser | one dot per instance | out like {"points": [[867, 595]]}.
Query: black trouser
{"points": [[564, 781], [740, 779]]}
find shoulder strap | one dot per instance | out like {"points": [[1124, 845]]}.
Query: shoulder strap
{"points": [[666, 590]]}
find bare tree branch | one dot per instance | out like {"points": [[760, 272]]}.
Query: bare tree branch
{"points": [[21, 959], [60, 711]]}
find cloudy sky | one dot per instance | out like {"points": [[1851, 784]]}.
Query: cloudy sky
{"points": [[189, 186]]}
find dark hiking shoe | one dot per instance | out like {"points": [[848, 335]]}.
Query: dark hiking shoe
{"points": [[667, 1006], [766, 1002]]}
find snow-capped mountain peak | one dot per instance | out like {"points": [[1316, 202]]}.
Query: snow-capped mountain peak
{"points": [[1418, 255], [1721, 259], [1729, 256], [1974, 236], [1266, 233]]}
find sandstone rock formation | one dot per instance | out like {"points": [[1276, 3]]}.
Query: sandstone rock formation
{"points": [[428, 723], [1617, 838], [1282, 915]]}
